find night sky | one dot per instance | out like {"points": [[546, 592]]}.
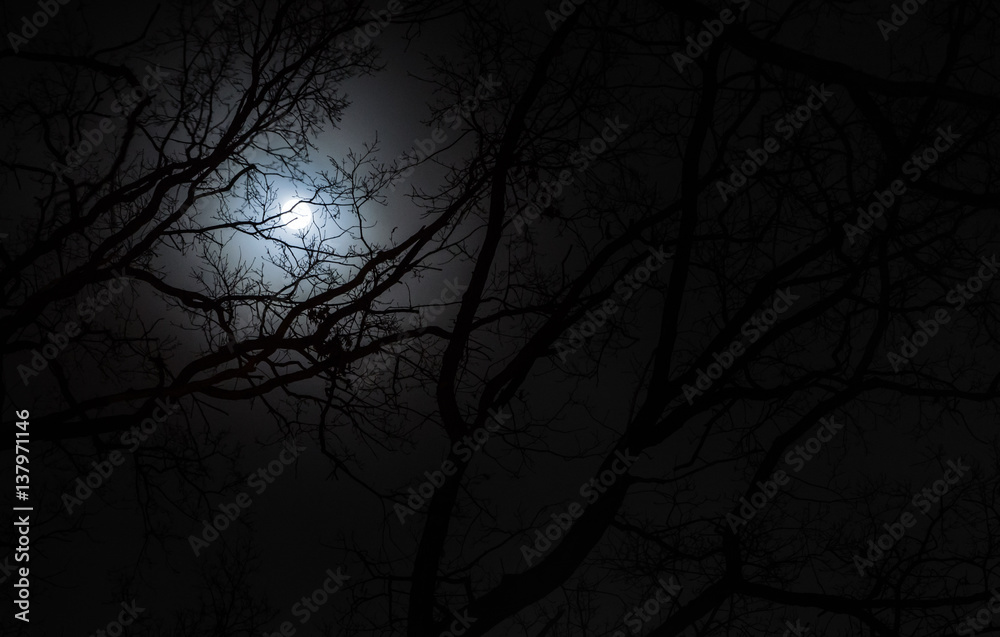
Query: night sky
{"points": [[644, 317]]}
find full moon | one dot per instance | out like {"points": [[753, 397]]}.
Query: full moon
{"points": [[296, 214]]}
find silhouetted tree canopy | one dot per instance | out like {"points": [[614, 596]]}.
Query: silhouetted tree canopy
{"points": [[678, 301]]}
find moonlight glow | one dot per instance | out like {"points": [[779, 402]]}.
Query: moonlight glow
{"points": [[298, 218]]}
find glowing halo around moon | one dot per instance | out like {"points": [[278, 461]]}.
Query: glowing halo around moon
{"points": [[296, 215]]}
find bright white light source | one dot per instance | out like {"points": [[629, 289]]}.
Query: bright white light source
{"points": [[296, 214]]}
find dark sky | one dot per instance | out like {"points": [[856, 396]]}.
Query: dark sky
{"points": [[132, 539]]}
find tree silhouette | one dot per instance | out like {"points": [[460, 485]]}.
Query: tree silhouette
{"points": [[673, 301]]}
